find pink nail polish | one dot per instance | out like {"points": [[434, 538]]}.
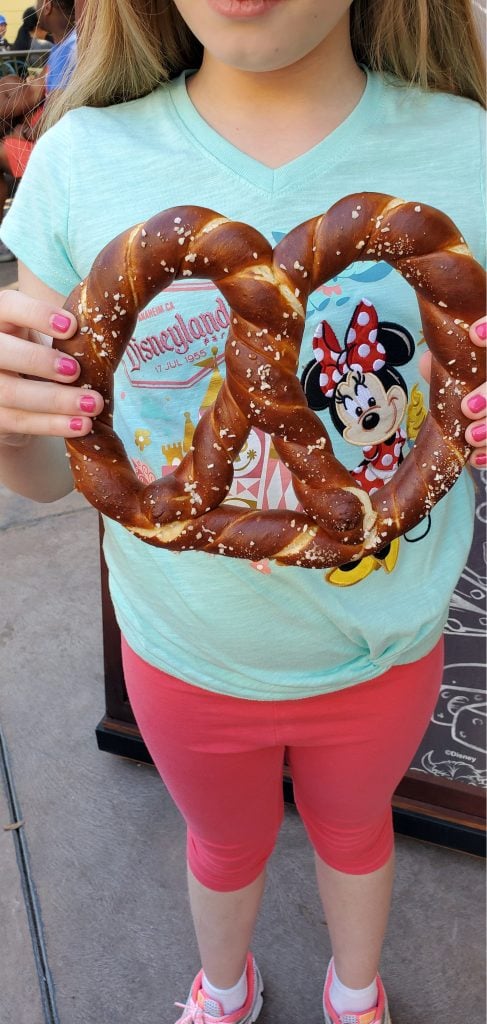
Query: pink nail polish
{"points": [[481, 459], [479, 433], [87, 403], [66, 366], [58, 322], [481, 331], [476, 403], [76, 423]]}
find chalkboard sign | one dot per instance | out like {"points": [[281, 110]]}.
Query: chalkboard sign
{"points": [[454, 746]]}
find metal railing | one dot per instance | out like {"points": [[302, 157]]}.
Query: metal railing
{"points": [[14, 62]]}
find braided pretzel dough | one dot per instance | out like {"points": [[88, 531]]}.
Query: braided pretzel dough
{"points": [[267, 291]]}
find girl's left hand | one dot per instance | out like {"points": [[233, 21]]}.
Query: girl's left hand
{"points": [[474, 405]]}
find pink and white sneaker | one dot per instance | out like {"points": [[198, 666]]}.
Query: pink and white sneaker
{"points": [[379, 1015], [203, 1009]]}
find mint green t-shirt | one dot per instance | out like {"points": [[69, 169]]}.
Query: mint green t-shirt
{"points": [[260, 631]]}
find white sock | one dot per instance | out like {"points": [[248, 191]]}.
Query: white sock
{"points": [[231, 999], [358, 1000]]}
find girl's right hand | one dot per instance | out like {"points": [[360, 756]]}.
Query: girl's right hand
{"points": [[33, 397]]}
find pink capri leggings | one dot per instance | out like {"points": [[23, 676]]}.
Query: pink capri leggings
{"points": [[221, 759]]}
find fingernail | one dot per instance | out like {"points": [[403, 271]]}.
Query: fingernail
{"points": [[481, 459], [66, 366], [476, 403], [76, 423], [479, 433], [481, 331], [58, 322], [87, 403]]}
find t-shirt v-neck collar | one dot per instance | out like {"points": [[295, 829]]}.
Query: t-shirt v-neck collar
{"points": [[323, 155]]}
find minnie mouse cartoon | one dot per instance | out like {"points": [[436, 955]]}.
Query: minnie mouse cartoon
{"points": [[367, 399]]}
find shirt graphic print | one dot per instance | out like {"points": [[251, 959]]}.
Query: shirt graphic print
{"points": [[173, 367]]}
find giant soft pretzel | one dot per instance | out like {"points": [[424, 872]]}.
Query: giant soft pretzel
{"points": [[267, 291]]}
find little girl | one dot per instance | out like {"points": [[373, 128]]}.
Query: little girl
{"points": [[266, 111]]}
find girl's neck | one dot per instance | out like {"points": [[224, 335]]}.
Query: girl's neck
{"points": [[278, 115]]}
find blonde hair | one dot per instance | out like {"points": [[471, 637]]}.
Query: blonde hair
{"points": [[128, 47]]}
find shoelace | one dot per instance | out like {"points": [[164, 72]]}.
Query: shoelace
{"points": [[194, 1014]]}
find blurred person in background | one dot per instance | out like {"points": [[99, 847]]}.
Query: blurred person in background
{"points": [[4, 44], [22, 101], [56, 18], [34, 39], [24, 36]]}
